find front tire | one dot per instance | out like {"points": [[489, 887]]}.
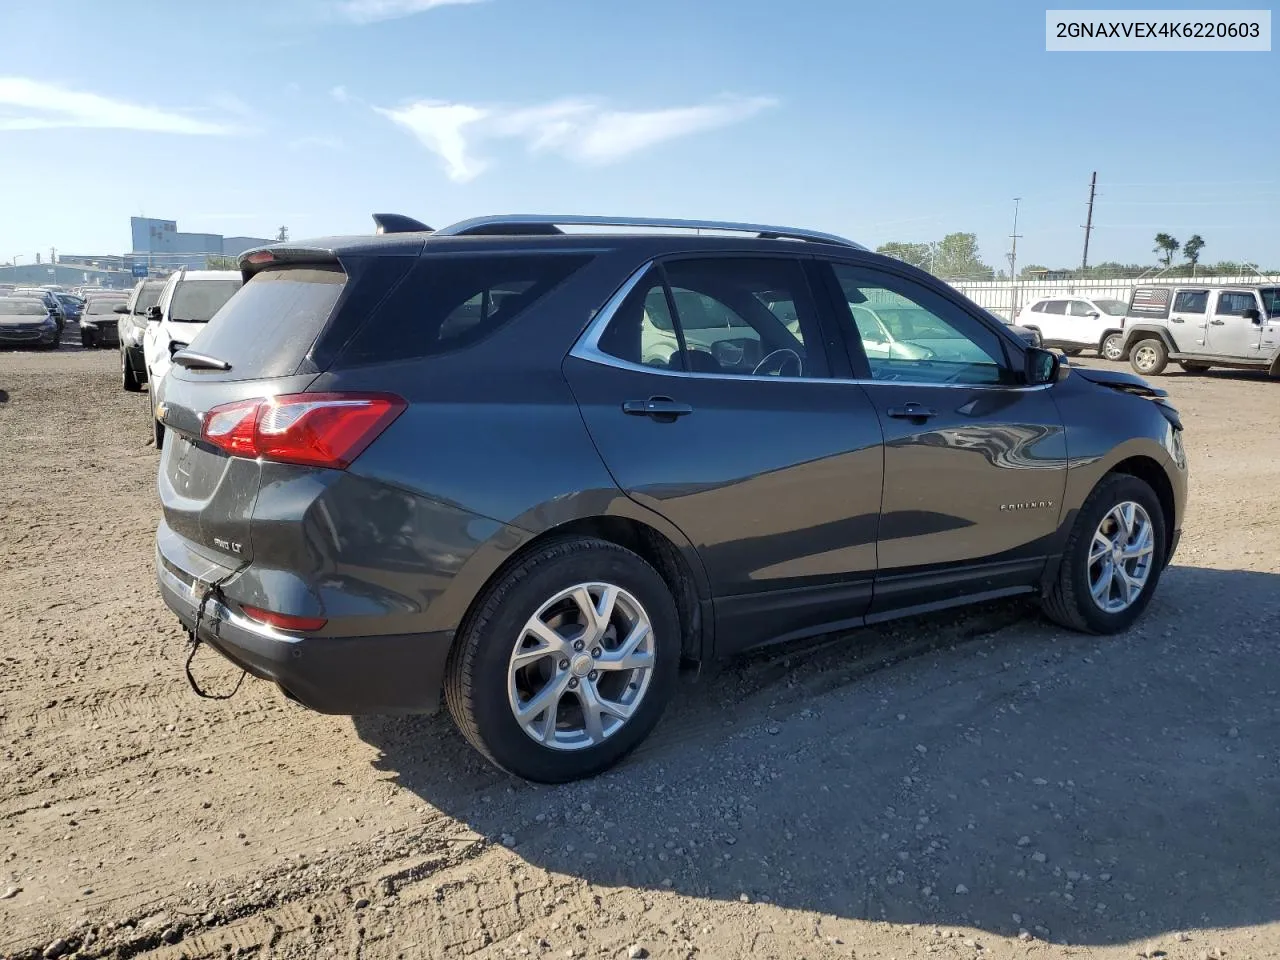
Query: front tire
{"points": [[566, 662], [128, 376], [1190, 367], [88, 339], [157, 428], [1073, 352], [1149, 357], [1113, 558], [1112, 347]]}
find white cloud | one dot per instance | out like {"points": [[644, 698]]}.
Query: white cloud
{"points": [[441, 129], [579, 130], [371, 11], [34, 105], [340, 94]]}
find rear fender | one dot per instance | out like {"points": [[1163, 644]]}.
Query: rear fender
{"points": [[1144, 331]]}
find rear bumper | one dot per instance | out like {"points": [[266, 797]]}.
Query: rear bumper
{"points": [[400, 673]]}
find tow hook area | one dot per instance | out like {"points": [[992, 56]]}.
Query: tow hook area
{"points": [[212, 591]]}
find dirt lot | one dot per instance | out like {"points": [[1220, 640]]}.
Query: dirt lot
{"points": [[932, 787]]}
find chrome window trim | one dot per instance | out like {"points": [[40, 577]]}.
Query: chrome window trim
{"points": [[464, 227], [587, 347]]}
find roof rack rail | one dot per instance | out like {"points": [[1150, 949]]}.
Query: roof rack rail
{"points": [[398, 223], [541, 225]]}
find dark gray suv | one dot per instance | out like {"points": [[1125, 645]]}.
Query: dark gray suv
{"points": [[536, 468]]}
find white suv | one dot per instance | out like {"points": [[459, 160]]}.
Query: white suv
{"points": [[1074, 323], [187, 303]]}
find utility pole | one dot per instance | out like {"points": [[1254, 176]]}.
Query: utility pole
{"points": [[1088, 226], [1013, 262]]}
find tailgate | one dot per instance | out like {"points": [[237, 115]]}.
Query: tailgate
{"points": [[206, 495]]}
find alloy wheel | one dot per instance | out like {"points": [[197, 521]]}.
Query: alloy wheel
{"points": [[581, 666], [1121, 556], [1112, 349], [1145, 358]]}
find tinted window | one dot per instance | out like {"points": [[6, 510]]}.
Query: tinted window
{"points": [[1191, 301], [1112, 308], [1080, 308], [449, 302], [270, 325], [1234, 303], [1271, 301], [739, 317], [911, 333], [1038, 306], [98, 306], [148, 296], [1150, 302], [1055, 306], [196, 301]]}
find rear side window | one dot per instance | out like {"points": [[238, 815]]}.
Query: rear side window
{"points": [[448, 302], [267, 329], [1152, 302], [1191, 301]]}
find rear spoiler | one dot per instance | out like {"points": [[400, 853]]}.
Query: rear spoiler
{"points": [[259, 258]]}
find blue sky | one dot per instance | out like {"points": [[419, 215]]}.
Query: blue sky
{"points": [[899, 121]]}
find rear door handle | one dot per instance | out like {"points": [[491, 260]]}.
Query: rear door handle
{"points": [[912, 411], [662, 409]]}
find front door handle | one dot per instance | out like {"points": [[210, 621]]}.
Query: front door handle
{"points": [[912, 411], [1217, 323], [662, 409], [1176, 320]]}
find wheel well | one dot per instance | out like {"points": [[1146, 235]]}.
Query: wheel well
{"points": [[1147, 470], [654, 548]]}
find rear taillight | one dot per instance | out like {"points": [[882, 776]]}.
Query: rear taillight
{"points": [[311, 429], [283, 621]]}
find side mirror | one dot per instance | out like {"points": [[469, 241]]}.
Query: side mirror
{"points": [[153, 313], [1251, 313], [120, 308], [1093, 314], [175, 346], [1041, 366]]}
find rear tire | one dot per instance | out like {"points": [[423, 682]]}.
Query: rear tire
{"points": [[128, 376], [1112, 347], [1190, 367], [1149, 357], [485, 685], [1069, 600]]}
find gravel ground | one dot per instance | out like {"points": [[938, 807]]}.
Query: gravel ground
{"points": [[971, 785]]}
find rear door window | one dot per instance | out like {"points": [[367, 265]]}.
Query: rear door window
{"points": [[268, 328], [1055, 306], [448, 302]]}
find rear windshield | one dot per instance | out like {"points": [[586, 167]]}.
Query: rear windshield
{"points": [[22, 308], [451, 302], [267, 329], [103, 306], [196, 301]]}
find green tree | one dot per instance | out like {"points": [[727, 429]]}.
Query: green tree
{"points": [[1166, 246], [916, 254], [1191, 249], [957, 257]]}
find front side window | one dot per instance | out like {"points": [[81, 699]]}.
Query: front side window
{"points": [[1271, 301], [1191, 301], [734, 317], [1112, 308], [1233, 303], [910, 333], [1080, 308]]}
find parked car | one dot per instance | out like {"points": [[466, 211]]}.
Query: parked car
{"points": [[28, 321], [99, 322], [1076, 323], [132, 327], [446, 461], [47, 297], [72, 306], [1200, 327], [186, 304]]}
